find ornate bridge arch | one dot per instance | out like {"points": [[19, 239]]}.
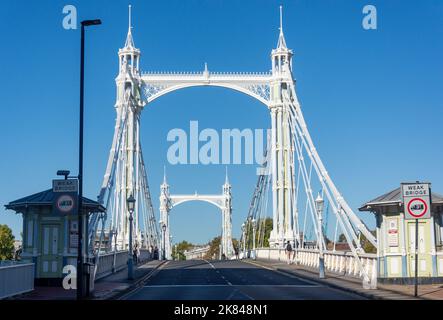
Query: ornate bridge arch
{"points": [[216, 200], [221, 201], [255, 85]]}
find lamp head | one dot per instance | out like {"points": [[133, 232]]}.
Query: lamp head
{"points": [[131, 203], [94, 22], [64, 173], [319, 202]]}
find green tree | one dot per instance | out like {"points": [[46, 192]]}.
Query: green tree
{"points": [[214, 248], [181, 248], [266, 233], [364, 242], [6, 243]]}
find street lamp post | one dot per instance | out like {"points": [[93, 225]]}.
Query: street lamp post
{"points": [[319, 203], [243, 229], [81, 249], [131, 205], [164, 241], [254, 228]]}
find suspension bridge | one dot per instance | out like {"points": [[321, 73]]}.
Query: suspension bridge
{"points": [[284, 191]]}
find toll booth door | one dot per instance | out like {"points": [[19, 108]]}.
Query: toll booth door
{"points": [[51, 258], [424, 262]]}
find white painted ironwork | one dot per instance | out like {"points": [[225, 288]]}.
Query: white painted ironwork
{"points": [[290, 146], [221, 201]]}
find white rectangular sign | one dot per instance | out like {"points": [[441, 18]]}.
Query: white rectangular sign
{"points": [[68, 185], [416, 200]]}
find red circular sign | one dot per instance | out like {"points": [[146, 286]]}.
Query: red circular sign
{"points": [[419, 205], [65, 203]]}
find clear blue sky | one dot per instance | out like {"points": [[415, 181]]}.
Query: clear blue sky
{"points": [[372, 99]]}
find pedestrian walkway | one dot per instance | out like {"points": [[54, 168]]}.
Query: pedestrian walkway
{"points": [[383, 291], [105, 288]]}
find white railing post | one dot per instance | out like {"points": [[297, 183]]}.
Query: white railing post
{"points": [[374, 274]]}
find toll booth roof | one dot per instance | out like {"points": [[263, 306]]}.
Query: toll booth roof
{"points": [[394, 197], [46, 198]]}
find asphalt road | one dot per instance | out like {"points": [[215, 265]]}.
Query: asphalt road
{"points": [[230, 280]]}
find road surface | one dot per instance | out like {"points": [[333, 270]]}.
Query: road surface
{"points": [[230, 280]]}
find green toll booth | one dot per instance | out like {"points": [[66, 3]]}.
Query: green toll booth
{"points": [[50, 231], [396, 240]]}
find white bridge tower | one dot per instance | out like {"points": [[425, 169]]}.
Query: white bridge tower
{"points": [[222, 201]]}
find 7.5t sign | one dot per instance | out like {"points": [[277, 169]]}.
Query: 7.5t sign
{"points": [[416, 200]]}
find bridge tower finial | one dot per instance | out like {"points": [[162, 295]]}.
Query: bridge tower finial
{"points": [[129, 20], [281, 38], [226, 176], [129, 44], [281, 19]]}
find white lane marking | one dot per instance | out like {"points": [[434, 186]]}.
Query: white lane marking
{"points": [[212, 266], [285, 274], [230, 285]]}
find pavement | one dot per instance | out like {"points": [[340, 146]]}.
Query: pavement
{"points": [[106, 288], [354, 285], [230, 280], [233, 280]]}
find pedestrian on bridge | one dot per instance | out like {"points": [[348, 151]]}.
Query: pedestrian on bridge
{"points": [[288, 252]]}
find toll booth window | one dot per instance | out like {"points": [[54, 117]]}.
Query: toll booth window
{"points": [[439, 231]]}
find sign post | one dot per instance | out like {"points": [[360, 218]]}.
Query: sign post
{"points": [[417, 205]]}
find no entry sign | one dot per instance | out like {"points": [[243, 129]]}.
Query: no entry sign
{"points": [[416, 200]]}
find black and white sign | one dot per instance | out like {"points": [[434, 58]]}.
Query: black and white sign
{"points": [[416, 200], [65, 185]]}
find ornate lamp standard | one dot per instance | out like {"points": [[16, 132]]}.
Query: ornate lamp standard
{"points": [[164, 241], [243, 229], [319, 204], [254, 229], [131, 205]]}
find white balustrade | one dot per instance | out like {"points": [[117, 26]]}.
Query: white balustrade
{"points": [[335, 261], [16, 278]]}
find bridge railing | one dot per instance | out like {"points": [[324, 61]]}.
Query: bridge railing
{"points": [[339, 262], [15, 278], [115, 261]]}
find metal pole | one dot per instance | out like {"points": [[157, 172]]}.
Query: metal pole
{"points": [[80, 173], [164, 245], [416, 259], [321, 262], [244, 244], [130, 258], [253, 238]]}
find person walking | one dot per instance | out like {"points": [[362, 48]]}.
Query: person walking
{"points": [[288, 252], [134, 255], [236, 253]]}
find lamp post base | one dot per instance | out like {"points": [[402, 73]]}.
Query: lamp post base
{"points": [[321, 268], [130, 269]]}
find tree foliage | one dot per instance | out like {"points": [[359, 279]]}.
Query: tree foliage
{"points": [[181, 247], [262, 235], [214, 248], [367, 246], [6, 243]]}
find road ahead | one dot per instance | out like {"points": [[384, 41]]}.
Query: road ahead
{"points": [[229, 280]]}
